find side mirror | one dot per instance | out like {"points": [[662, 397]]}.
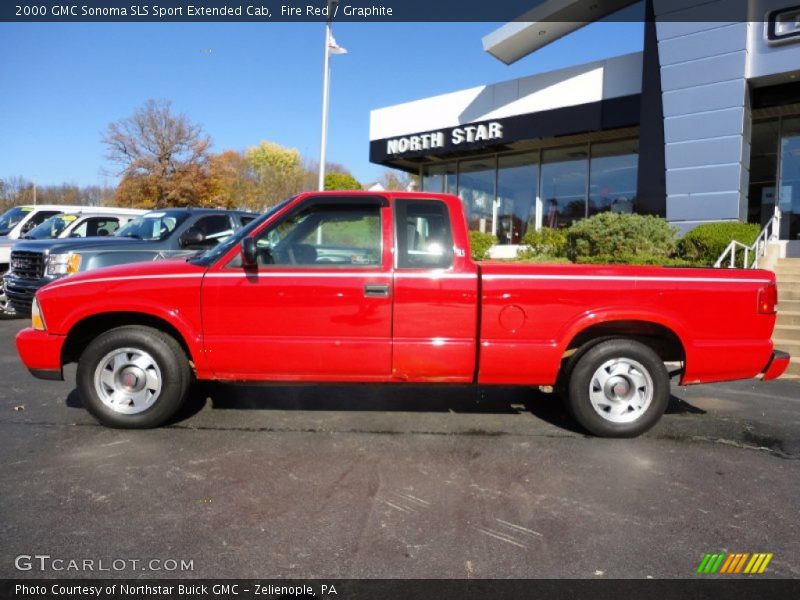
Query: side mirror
{"points": [[249, 253], [191, 237]]}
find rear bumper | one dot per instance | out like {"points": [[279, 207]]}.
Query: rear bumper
{"points": [[41, 353], [777, 364]]}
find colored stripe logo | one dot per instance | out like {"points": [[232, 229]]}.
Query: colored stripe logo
{"points": [[735, 563]]}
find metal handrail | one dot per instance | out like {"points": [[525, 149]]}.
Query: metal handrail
{"points": [[770, 233]]}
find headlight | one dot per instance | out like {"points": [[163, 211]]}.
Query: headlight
{"points": [[63, 264], [37, 319]]}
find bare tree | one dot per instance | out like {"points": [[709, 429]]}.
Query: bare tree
{"points": [[160, 147]]}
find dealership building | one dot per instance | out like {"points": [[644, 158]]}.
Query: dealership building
{"points": [[702, 125]]}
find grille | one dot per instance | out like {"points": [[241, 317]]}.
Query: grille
{"points": [[27, 265]]}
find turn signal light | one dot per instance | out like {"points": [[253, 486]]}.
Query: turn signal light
{"points": [[37, 320], [768, 299]]}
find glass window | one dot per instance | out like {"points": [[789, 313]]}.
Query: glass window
{"points": [[433, 179], [789, 181], [613, 177], [439, 179], [50, 228], [564, 172], [517, 186], [153, 226], [96, 226], [12, 217], [424, 238], [214, 227], [764, 143], [324, 235], [476, 190]]}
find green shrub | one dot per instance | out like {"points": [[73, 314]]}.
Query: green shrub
{"points": [[530, 257], [704, 244], [480, 244], [634, 259], [612, 234], [546, 241]]}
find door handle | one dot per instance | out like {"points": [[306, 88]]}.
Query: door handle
{"points": [[376, 290]]}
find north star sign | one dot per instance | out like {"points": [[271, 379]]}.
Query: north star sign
{"points": [[436, 139]]}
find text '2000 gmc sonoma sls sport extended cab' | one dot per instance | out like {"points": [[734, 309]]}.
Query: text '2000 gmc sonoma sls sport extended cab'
{"points": [[364, 287]]}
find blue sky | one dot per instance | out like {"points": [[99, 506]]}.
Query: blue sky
{"points": [[62, 84]]}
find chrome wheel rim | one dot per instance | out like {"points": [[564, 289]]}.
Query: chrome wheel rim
{"points": [[621, 390], [128, 380]]}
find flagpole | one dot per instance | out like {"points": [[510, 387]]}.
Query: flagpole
{"points": [[326, 76]]}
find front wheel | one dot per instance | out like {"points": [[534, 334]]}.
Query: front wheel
{"points": [[618, 388], [133, 377]]}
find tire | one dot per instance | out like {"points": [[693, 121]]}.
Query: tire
{"points": [[133, 377], [618, 388]]}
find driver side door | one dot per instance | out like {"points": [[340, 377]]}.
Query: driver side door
{"points": [[318, 307]]}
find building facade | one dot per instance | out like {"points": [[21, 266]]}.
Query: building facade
{"points": [[702, 125]]}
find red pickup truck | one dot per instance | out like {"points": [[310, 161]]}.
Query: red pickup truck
{"points": [[380, 287]]}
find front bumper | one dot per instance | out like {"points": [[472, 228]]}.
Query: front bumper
{"points": [[41, 353], [778, 363], [20, 292]]}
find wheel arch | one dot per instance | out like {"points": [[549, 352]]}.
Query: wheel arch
{"points": [[88, 328], [662, 339]]}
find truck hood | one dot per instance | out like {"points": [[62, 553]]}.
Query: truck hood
{"points": [[161, 269], [78, 244]]}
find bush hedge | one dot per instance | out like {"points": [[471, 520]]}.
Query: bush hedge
{"points": [[704, 244], [546, 241], [480, 243], [612, 234], [634, 259]]}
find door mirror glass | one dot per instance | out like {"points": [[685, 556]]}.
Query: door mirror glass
{"points": [[192, 238]]}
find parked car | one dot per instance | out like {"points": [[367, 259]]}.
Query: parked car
{"points": [[155, 235], [408, 305], [15, 223]]}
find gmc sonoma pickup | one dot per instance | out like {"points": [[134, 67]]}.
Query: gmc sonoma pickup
{"points": [[380, 287]]}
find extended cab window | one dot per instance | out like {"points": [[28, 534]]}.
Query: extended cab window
{"points": [[324, 235], [424, 238]]}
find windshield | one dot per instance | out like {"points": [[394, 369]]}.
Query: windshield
{"points": [[153, 226], [50, 228], [212, 254], [11, 217]]}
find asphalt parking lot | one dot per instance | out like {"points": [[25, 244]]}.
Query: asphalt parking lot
{"points": [[412, 482]]}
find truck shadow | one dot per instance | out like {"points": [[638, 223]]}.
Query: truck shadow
{"points": [[461, 399]]}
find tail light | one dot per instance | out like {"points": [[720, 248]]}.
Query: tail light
{"points": [[768, 299]]}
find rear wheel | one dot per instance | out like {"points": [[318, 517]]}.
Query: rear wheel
{"points": [[133, 377], [618, 388]]}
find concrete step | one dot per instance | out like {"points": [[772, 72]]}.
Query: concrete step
{"points": [[787, 294], [790, 346], [788, 317], [787, 332], [788, 306], [793, 370]]}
